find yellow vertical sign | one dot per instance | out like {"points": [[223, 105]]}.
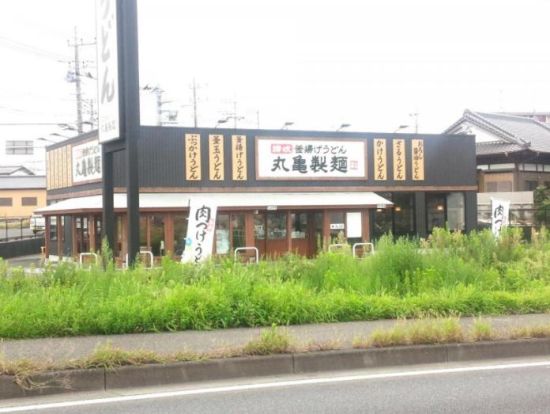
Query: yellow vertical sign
{"points": [[399, 162], [380, 157], [215, 157], [192, 157], [238, 151], [418, 159]]}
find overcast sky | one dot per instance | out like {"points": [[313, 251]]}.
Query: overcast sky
{"points": [[317, 63]]}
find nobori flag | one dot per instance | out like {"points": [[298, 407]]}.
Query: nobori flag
{"points": [[500, 210], [200, 232]]}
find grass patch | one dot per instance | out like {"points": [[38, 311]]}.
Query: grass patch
{"points": [[271, 341], [446, 275], [541, 331], [429, 331], [482, 331]]}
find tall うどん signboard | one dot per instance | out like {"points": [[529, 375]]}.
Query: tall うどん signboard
{"points": [[315, 159], [107, 70]]}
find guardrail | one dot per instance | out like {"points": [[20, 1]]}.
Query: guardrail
{"points": [[242, 249], [81, 257], [337, 246], [354, 248], [142, 253]]}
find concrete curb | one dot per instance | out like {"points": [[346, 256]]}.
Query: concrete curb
{"points": [[284, 364]]}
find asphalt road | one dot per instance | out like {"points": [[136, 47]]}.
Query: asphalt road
{"points": [[492, 387]]}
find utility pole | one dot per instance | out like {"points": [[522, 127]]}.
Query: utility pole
{"points": [[77, 44], [415, 115]]}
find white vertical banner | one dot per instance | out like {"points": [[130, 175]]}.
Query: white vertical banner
{"points": [[500, 210], [200, 232], [107, 70]]}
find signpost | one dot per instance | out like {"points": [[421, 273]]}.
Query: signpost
{"points": [[119, 119]]}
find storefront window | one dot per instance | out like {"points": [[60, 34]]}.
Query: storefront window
{"points": [[143, 233], [455, 211], [435, 210], [157, 235], [53, 228], [237, 226], [180, 233], [337, 225], [299, 225], [259, 226], [98, 228], [276, 226], [223, 243], [403, 214]]}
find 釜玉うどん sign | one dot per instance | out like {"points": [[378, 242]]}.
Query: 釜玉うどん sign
{"points": [[86, 162], [294, 158]]}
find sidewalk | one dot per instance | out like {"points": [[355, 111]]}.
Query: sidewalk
{"points": [[62, 349]]}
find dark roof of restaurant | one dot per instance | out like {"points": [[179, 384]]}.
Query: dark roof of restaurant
{"points": [[516, 133]]}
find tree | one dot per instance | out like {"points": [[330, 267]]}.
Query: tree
{"points": [[541, 197]]}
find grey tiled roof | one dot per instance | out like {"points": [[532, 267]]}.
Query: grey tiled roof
{"points": [[518, 132], [487, 148], [11, 169], [22, 182]]}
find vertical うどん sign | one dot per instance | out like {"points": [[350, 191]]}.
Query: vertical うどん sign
{"points": [[107, 70], [309, 159], [399, 161], [193, 157], [380, 160], [238, 151], [216, 157]]}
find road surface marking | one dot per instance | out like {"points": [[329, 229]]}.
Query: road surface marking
{"points": [[276, 384]]}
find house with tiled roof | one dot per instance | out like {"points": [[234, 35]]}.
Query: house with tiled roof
{"points": [[512, 154]]}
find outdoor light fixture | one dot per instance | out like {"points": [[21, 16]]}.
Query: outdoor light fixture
{"points": [[221, 121], [397, 208], [287, 124], [341, 127], [439, 207], [400, 127]]}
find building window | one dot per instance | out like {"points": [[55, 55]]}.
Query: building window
{"points": [[156, 227], [403, 214], [455, 211], [53, 228], [19, 148], [223, 243], [337, 226], [498, 186], [6, 201], [299, 225], [276, 226], [435, 210], [531, 185], [238, 230], [180, 233], [529, 167], [28, 201]]}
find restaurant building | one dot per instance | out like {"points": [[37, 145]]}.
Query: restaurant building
{"points": [[277, 190]]}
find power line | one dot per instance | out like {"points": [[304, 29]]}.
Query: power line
{"points": [[13, 44]]}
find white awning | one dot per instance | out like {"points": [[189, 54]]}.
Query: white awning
{"points": [[259, 201]]}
